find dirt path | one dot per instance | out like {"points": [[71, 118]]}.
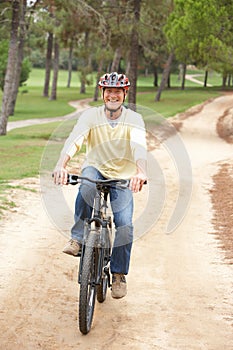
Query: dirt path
{"points": [[194, 79], [80, 105], [179, 287]]}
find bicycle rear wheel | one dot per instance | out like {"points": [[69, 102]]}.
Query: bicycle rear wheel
{"points": [[87, 285]]}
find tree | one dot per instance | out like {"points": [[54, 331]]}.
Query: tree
{"points": [[20, 56], [70, 62], [165, 76], [81, 28], [200, 31], [48, 63], [116, 60], [134, 50], [4, 46], [11, 72], [55, 70], [25, 68], [153, 43], [85, 61]]}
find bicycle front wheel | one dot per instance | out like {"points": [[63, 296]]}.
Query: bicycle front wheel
{"points": [[87, 286], [103, 286]]}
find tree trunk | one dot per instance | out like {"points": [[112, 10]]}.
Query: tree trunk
{"points": [[70, 61], [100, 68], [229, 80], [11, 67], [183, 76], [48, 64], [166, 72], [155, 76], [206, 78], [224, 80], [169, 81], [20, 55], [180, 75], [55, 71], [116, 60], [83, 85], [127, 70], [84, 69], [134, 50]]}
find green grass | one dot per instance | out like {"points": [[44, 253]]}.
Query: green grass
{"points": [[175, 101], [172, 100], [22, 149], [6, 202], [36, 78], [214, 79], [31, 104]]}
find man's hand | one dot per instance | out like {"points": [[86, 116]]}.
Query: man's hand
{"points": [[60, 176], [137, 181]]}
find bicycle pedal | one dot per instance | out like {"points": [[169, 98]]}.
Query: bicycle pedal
{"points": [[106, 271], [79, 254]]}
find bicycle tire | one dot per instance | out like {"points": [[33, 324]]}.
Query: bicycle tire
{"points": [[101, 289], [87, 293]]}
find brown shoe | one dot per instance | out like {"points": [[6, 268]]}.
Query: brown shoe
{"points": [[119, 285], [72, 247]]}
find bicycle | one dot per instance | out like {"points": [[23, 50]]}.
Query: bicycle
{"points": [[94, 276]]}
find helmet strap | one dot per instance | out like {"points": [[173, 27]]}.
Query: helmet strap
{"points": [[112, 110]]}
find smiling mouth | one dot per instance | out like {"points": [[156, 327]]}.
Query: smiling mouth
{"points": [[113, 106], [113, 103]]}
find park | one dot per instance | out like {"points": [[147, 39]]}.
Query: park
{"points": [[180, 281]]}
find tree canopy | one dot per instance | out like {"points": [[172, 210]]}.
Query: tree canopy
{"points": [[124, 35], [201, 32]]}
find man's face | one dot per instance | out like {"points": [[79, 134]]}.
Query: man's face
{"points": [[113, 97]]}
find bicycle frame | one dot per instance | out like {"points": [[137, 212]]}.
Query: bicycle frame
{"points": [[94, 276], [102, 225], [99, 217]]}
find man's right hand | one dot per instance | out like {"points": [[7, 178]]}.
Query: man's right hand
{"points": [[60, 176]]}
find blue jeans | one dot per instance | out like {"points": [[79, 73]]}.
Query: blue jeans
{"points": [[122, 208]]}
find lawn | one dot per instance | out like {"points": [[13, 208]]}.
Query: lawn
{"points": [[31, 104], [22, 149], [175, 100]]}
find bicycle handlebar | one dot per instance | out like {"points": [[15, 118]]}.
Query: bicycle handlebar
{"points": [[75, 179]]}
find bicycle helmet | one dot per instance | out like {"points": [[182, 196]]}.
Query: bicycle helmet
{"points": [[114, 80]]}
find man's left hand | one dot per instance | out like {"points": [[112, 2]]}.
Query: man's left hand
{"points": [[137, 181]]}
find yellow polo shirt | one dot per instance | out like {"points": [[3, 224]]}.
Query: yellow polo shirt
{"points": [[112, 147]]}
